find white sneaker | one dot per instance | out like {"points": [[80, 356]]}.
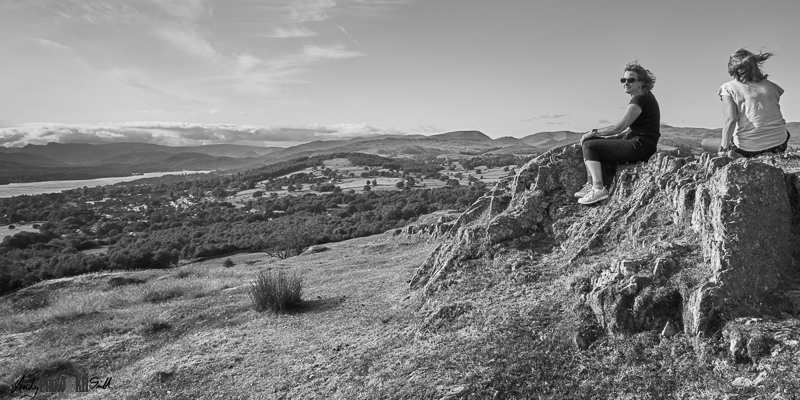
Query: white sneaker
{"points": [[594, 196], [584, 190]]}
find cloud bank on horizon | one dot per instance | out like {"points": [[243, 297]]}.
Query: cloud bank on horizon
{"points": [[183, 134]]}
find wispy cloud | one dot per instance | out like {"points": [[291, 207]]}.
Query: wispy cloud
{"points": [[547, 116], [191, 42], [329, 53], [247, 61], [52, 45], [181, 134], [198, 50], [552, 115], [94, 12], [139, 79], [604, 121], [555, 123], [309, 10], [331, 3], [185, 9], [375, 8], [292, 31]]}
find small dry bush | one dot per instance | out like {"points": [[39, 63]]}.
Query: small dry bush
{"points": [[119, 281], [278, 292], [183, 273], [162, 294], [68, 306], [169, 289], [155, 323]]}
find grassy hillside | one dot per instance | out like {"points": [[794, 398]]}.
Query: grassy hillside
{"points": [[192, 332], [502, 332]]}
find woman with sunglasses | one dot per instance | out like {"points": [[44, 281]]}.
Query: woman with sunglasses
{"points": [[632, 139], [753, 123]]}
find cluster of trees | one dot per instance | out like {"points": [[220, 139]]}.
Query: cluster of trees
{"points": [[155, 223], [493, 161]]}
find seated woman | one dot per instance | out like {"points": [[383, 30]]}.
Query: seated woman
{"points": [[750, 104], [634, 138]]}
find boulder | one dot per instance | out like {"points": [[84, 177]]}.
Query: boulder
{"points": [[516, 208], [712, 236]]}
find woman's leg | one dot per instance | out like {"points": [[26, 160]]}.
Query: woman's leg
{"points": [[595, 172], [711, 145], [589, 178], [617, 150]]}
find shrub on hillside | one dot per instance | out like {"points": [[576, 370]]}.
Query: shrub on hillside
{"points": [[278, 292]]}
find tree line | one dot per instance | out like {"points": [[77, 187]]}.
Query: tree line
{"points": [[147, 228]]}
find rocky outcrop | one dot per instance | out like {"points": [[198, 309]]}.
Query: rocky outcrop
{"points": [[518, 210], [692, 240], [433, 228]]}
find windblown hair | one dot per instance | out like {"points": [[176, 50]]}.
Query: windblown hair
{"points": [[648, 78], [745, 66]]}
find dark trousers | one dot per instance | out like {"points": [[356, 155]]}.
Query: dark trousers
{"points": [[620, 151], [777, 149]]}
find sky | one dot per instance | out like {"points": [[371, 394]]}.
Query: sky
{"points": [[283, 72]]}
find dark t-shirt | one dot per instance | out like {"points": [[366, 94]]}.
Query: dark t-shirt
{"points": [[649, 121]]}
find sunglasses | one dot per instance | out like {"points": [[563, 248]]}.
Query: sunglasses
{"points": [[628, 80]]}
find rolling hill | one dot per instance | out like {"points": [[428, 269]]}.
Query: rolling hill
{"points": [[84, 154], [114, 159], [31, 160]]}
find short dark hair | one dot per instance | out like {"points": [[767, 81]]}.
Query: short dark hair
{"points": [[648, 78], [745, 66]]}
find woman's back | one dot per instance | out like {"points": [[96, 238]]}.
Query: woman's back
{"points": [[760, 123]]}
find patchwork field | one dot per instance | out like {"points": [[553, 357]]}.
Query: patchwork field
{"points": [[489, 176], [5, 230]]}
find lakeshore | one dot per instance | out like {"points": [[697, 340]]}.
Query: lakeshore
{"points": [[32, 188]]}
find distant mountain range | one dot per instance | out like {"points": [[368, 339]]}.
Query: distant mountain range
{"points": [[79, 159]]}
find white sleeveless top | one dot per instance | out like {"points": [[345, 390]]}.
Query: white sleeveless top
{"points": [[760, 125]]}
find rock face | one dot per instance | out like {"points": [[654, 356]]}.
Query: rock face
{"points": [[521, 209], [709, 237]]}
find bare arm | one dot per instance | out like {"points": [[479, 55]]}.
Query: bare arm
{"points": [[621, 134], [730, 115], [631, 113], [619, 129]]}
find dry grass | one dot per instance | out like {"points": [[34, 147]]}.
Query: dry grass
{"points": [[165, 331], [278, 292], [503, 331]]}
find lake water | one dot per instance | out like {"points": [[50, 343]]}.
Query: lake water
{"points": [[19, 189]]}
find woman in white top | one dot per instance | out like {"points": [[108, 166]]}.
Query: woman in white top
{"points": [[753, 123]]}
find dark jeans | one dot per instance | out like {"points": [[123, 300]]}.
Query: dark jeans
{"points": [[777, 149], [621, 151]]}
